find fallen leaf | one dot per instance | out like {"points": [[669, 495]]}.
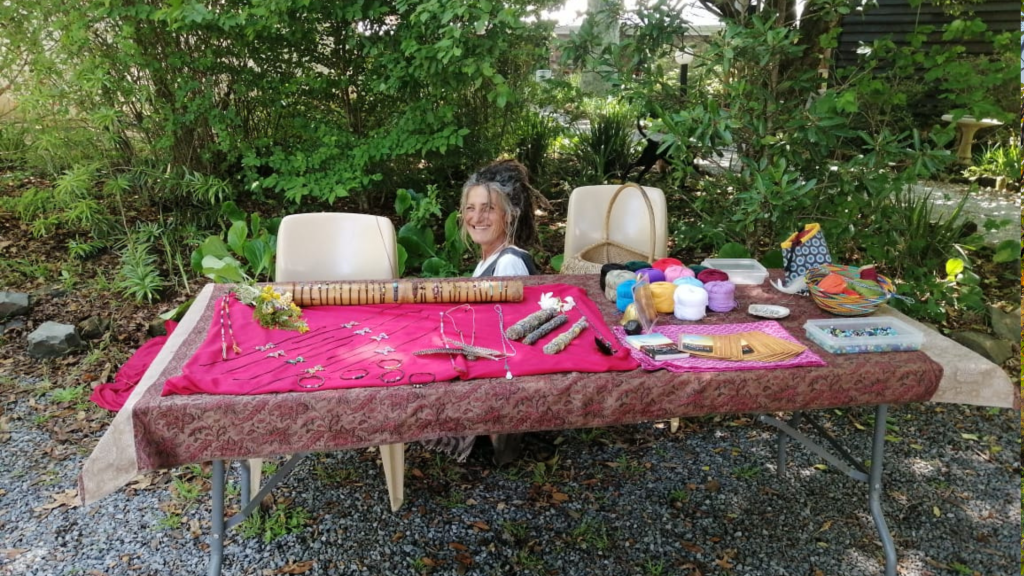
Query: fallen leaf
{"points": [[67, 498], [480, 525], [559, 497], [825, 526], [724, 563], [712, 486], [936, 511], [969, 436], [691, 547], [428, 561], [457, 546], [5, 429], [464, 559], [12, 553], [296, 568], [416, 472], [397, 536]]}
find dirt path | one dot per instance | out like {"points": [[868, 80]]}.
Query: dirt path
{"points": [[981, 205]]}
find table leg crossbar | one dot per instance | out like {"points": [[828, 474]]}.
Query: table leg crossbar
{"points": [[218, 525], [848, 464]]}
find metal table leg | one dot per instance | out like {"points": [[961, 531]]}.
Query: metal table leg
{"points": [[848, 465], [216, 518]]}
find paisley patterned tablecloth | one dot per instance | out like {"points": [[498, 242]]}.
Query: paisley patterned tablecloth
{"points": [[155, 431]]}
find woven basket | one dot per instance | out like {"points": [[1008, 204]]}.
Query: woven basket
{"points": [[590, 259], [843, 304]]}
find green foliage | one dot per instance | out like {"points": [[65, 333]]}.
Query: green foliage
{"points": [[417, 248], [270, 526], [245, 253], [604, 148], [998, 161], [138, 277]]}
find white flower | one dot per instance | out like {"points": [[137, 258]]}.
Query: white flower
{"points": [[548, 301]]}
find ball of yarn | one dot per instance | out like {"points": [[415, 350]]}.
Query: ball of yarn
{"points": [[663, 263], [635, 265], [673, 273], [608, 268], [712, 275], [688, 281], [612, 281], [690, 302], [663, 293], [652, 274], [721, 295], [624, 295], [697, 268]]}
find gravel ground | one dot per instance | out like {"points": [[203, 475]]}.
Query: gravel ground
{"points": [[981, 205], [626, 500]]}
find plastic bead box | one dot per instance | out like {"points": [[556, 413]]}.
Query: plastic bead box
{"points": [[858, 335]]}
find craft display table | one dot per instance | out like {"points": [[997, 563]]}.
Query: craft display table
{"points": [[154, 431]]}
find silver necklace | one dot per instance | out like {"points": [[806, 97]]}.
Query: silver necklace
{"points": [[504, 341]]}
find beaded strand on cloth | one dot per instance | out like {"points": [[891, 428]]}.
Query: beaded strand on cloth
{"points": [[565, 338], [721, 295], [690, 302]]}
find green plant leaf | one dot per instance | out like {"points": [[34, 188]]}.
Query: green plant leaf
{"points": [[222, 270], [556, 262], [403, 201], [177, 313], [232, 212], [954, 266], [402, 257], [259, 254], [1006, 251], [772, 259], [436, 268], [237, 234], [733, 250]]}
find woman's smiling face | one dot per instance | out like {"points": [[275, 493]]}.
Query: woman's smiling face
{"points": [[484, 219]]}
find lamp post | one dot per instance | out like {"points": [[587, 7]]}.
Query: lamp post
{"points": [[683, 58]]}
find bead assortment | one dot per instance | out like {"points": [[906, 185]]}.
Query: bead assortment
{"points": [[871, 331]]}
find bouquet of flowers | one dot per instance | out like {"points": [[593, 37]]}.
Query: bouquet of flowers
{"points": [[272, 309]]}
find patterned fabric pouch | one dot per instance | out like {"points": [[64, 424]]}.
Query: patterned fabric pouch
{"points": [[804, 250]]}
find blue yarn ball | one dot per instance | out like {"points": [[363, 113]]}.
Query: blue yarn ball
{"points": [[624, 295], [688, 281]]}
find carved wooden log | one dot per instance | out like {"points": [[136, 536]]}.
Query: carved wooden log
{"points": [[401, 292]]}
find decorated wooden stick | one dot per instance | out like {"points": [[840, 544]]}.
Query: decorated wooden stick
{"points": [[562, 340], [401, 292], [545, 329], [520, 329]]}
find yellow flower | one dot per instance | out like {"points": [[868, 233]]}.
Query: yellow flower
{"points": [[303, 328]]}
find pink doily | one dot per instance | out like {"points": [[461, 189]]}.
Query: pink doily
{"points": [[695, 364]]}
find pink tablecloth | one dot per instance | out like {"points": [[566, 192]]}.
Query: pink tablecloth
{"points": [[156, 431]]}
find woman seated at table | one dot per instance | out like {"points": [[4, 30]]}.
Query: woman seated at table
{"points": [[496, 213]]}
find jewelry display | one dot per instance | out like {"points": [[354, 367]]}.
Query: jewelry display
{"points": [[401, 292], [354, 374], [379, 337], [277, 354], [545, 329], [363, 331], [389, 364], [504, 340], [318, 378], [297, 360], [265, 347], [562, 340], [314, 370], [350, 324], [391, 376], [427, 378], [520, 329], [226, 313], [385, 350]]}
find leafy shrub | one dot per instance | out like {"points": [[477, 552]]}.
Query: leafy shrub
{"points": [[245, 253], [604, 149], [417, 249]]}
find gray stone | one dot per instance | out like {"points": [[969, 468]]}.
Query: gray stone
{"points": [[14, 304], [93, 328], [11, 325], [52, 340], [1006, 325], [996, 350]]}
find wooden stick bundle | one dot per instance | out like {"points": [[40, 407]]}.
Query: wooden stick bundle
{"points": [[424, 291]]}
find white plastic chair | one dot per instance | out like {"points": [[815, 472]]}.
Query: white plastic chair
{"points": [[341, 246], [629, 226]]}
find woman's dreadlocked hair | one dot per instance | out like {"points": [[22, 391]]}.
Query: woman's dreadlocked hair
{"points": [[508, 182]]}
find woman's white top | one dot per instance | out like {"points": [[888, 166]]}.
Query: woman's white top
{"points": [[508, 265]]}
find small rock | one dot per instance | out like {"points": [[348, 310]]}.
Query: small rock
{"points": [[1006, 325], [52, 340], [93, 328], [14, 304], [996, 350], [12, 325]]}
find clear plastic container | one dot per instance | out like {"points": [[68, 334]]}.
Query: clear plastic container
{"points": [[740, 270], [900, 337]]}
